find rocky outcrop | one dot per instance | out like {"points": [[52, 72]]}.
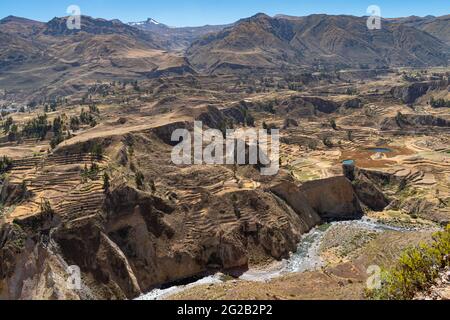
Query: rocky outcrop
{"points": [[12, 193], [410, 93], [321, 200], [226, 118], [297, 200], [85, 245], [164, 132], [300, 106], [366, 185], [355, 103], [332, 198], [412, 121], [30, 270]]}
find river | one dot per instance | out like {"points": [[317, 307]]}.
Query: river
{"points": [[306, 258]]}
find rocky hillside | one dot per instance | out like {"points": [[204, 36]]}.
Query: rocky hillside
{"points": [[263, 41], [436, 26], [177, 38], [53, 57], [128, 239]]}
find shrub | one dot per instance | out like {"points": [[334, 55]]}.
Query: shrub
{"points": [[5, 164], [94, 109], [440, 103], [416, 270], [90, 173]]}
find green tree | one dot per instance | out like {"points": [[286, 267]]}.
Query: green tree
{"points": [[7, 125], [13, 133], [5, 164], [74, 123], [140, 180], [97, 151], [57, 126], [106, 182], [333, 124]]}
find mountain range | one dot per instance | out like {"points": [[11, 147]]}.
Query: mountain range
{"points": [[177, 38], [345, 41], [48, 58]]}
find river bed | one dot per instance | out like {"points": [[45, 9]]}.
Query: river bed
{"points": [[306, 258]]}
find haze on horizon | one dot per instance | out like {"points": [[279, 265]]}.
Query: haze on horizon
{"points": [[201, 12]]}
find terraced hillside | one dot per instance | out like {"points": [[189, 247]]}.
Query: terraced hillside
{"points": [[87, 177]]}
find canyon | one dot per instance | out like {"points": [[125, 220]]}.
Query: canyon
{"points": [[87, 178]]}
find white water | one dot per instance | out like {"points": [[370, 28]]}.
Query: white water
{"points": [[160, 294], [306, 258]]}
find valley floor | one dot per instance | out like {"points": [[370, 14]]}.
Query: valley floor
{"points": [[103, 194]]}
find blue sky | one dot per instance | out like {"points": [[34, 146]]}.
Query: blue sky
{"points": [[200, 12]]}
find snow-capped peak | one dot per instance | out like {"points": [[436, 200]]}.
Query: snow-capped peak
{"points": [[148, 21]]}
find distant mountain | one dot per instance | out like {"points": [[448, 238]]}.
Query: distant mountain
{"points": [[149, 25], [436, 26], [53, 58], [89, 25], [174, 37], [266, 42], [20, 26], [50, 59]]}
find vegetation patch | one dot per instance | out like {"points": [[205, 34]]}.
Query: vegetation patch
{"points": [[416, 270]]}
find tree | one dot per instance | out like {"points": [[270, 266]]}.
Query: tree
{"points": [[53, 106], [439, 103], [56, 140], [46, 207], [36, 127], [327, 142], [333, 124], [13, 133], [140, 180], [94, 109], [57, 126], [106, 182], [74, 123], [97, 151], [350, 135], [136, 86], [7, 125], [5, 164]]}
